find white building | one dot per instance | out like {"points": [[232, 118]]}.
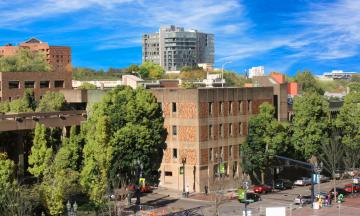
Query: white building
{"points": [[339, 74], [256, 71]]}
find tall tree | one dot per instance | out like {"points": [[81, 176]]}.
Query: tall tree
{"points": [[7, 178], [41, 155], [310, 124], [348, 122], [266, 138], [97, 156], [155, 71]]}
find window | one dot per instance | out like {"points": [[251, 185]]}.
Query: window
{"points": [[221, 107], [230, 107], [249, 106], [230, 129], [221, 130], [14, 84], [210, 154], [29, 84], [221, 152], [174, 130], [241, 129], [168, 173], [175, 153], [59, 83], [230, 151], [210, 131], [235, 168], [174, 107], [44, 84], [241, 107], [210, 108]]}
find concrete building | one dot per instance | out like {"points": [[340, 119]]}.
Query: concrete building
{"points": [[13, 84], [206, 127], [256, 71], [173, 48], [337, 74]]}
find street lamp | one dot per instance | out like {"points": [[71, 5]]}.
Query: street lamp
{"points": [[183, 161], [222, 72], [318, 169], [72, 209]]}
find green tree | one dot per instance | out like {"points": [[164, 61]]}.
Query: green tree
{"points": [[267, 137], [310, 124], [133, 68], [354, 86], [308, 83], [7, 178], [234, 79], [97, 156], [41, 155], [87, 86], [51, 102], [26, 103], [348, 122], [25, 60], [198, 74], [154, 71], [4, 106]]}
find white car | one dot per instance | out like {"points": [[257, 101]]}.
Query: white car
{"points": [[303, 181], [301, 200]]}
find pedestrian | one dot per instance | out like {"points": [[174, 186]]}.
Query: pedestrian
{"points": [[187, 191], [206, 190], [329, 198]]}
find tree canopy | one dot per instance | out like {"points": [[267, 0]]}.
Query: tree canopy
{"points": [[151, 70], [87, 86], [310, 124], [25, 60], [51, 102], [308, 82]]}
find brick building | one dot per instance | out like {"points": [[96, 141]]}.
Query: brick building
{"points": [[206, 126], [13, 84]]}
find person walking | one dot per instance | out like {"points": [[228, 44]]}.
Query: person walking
{"points": [[187, 191]]}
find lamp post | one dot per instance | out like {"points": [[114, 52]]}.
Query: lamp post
{"points": [[71, 209], [318, 169], [183, 161], [222, 72]]}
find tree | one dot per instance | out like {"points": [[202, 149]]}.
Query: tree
{"points": [[41, 155], [308, 83], [234, 79], [4, 107], [153, 70], [51, 102], [267, 137], [354, 86], [310, 124], [25, 60], [87, 86], [197, 74], [7, 177], [97, 156], [348, 122], [133, 68], [26, 103]]}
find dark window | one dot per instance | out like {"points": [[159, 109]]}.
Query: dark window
{"points": [[59, 83], [230, 107], [174, 130], [44, 84], [14, 84], [210, 108], [168, 173], [173, 107], [241, 107], [241, 129], [230, 150], [210, 131], [230, 129], [221, 107], [221, 130], [249, 106], [175, 153], [29, 84], [10, 99], [210, 154]]}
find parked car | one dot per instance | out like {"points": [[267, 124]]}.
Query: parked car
{"points": [[352, 188], [283, 184], [300, 199], [262, 189], [324, 178], [338, 191], [303, 181], [253, 196]]}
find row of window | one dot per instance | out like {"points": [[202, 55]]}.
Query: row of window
{"points": [[218, 157], [231, 131], [14, 84], [221, 107]]}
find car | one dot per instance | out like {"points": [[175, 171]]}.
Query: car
{"points": [[253, 196], [283, 184], [300, 200], [262, 189], [324, 178], [338, 191], [303, 181], [352, 188], [321, 194]]}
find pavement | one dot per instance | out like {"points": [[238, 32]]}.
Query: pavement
{"points": [[165, 201]]}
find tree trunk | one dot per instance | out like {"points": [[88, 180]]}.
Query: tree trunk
{"points": [[262, 177]]}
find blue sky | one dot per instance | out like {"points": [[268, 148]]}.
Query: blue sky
{"points": [[282, 35]]}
